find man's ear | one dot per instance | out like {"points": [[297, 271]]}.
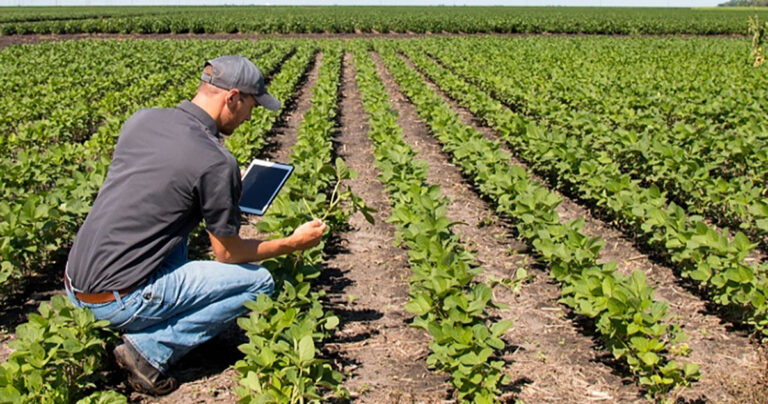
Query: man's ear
{"points": [[233, 96]]}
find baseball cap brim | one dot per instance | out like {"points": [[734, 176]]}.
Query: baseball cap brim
{"points": [[269, 102]]}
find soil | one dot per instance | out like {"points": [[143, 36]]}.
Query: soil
{"points": [[367, 283], [283, 135]]}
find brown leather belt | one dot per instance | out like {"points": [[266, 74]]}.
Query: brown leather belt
{"points": [[96, 298]]}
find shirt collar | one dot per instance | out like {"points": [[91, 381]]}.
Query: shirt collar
{"points": [[202, 116]]}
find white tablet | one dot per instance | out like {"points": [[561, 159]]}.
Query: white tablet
{"points": [[261, 183]]}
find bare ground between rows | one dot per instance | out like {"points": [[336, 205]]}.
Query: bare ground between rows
{"points": [[366, 279], [551, 359], [8, 40], [733, 367]]}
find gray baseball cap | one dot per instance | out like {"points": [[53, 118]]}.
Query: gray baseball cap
{"points": [[233, 71]]}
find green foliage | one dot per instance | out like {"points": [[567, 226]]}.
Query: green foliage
{"points": [[584, 157], [630, 321], [446, 301], [57, 355], [275, 19], [744, 3], [104, 397], [281, 364]]}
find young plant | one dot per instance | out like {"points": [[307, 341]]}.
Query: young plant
{"points": [[57, 356], [759, 34]]}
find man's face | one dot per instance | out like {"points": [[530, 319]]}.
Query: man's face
{"points": [[239, 108]]}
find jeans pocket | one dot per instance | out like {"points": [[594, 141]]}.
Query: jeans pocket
{"points": [[147, 311]]}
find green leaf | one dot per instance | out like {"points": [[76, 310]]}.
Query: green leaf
{"points": [[419, 305], [331, 322], [342, 171], [306, 349], [649, 358], [500, 327]]}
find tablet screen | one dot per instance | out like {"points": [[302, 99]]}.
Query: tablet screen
{"points": [[261, 183]]}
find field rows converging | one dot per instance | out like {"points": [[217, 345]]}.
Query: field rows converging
{"points": [[511, 219], [657, 131]]}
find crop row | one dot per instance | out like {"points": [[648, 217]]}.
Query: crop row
{"points": [[403, 19], [698, 250], [671, 97], [703, 141], [630, 321], [447, 301], [281, 362], [38, 13]]}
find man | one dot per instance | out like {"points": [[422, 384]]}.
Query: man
{"points": [[129, 262]]}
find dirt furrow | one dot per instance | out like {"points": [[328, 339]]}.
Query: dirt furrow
{"points": [[367, 280], [283, 135], [552, 361], [732, 367]]}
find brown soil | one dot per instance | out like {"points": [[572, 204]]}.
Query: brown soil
{"points": [[284, 135], [367, 283], [727, 357]]}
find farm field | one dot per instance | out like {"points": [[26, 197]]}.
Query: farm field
{"points": [[540, 218], [372, 19]]}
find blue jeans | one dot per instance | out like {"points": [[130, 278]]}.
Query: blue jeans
{"points": [[183, 304]]}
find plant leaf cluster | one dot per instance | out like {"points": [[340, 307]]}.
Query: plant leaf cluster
{"points": [[281, 363], [447, 301], [700, 251], [57, 355], [630, 321]]}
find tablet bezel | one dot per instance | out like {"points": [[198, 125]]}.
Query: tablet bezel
{"points": [[265, 163]]}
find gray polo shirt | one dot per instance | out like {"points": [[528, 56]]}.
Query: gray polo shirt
{"points": [[168, 172]]}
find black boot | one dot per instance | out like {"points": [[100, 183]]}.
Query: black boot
{"points": [[142, 376]]}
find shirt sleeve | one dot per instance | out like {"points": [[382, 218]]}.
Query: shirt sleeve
{"points": [[219, 189]]}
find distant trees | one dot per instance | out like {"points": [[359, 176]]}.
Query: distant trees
{"points": [[744, 3]]}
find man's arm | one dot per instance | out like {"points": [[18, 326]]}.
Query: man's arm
{"points": [[237, 250]]}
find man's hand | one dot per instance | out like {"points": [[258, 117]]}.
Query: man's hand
{"points": [[308, 234]]}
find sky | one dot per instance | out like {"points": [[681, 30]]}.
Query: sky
{"points": [[596, 3]]}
